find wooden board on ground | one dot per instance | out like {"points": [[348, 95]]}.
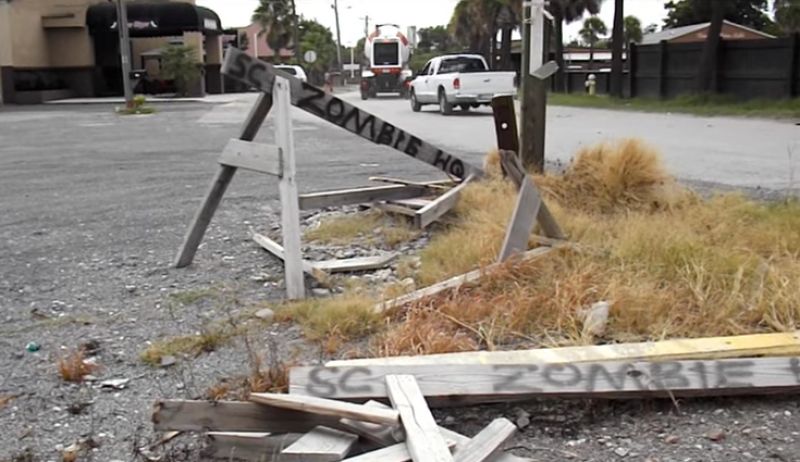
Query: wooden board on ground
{"points": [[364, 195], [425, 443], [453, 283], [262, 158], [741, 346], [433, 185], [230, 416], [487, 444], [321, 444], [522, 221], [277, 250], [395, 208], [347, 265], [384, 435], [394, 453], [439, 206], [253, 447], [261, 75], [327, 407], [460, 384]]}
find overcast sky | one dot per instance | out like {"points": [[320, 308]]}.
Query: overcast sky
{"points": [[420, 13]]}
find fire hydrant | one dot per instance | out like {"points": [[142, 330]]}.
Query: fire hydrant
{"points": [[591, 85]]}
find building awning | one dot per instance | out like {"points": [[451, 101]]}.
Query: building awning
{"points": [[154, 19], [64, 20]]}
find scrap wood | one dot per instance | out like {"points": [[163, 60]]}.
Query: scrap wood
{"points": [[487, 444], [438, 184], [454, 282], [384, 435], [425, 443], [327, 407], [741, 346], [321, 444], [247, 446], [363, 195], [450, 384], [441, 205]]}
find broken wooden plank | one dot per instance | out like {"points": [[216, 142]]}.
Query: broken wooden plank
{"points": [[314, 405], [384, 435], [522, 221], [741, 346], [394, 208], [394, 453], [354, 264], [454, 282], [462, 441], [194, 235], [229, 416], [487, 444], [364, 195], [262, 158], [439, 206], [261, 75], [425, 443], [505, 123], [277, 250], [253, 447], [459, 384], [415, 203], [436, 184], [321, 444]]}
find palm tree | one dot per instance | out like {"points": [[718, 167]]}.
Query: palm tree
{"points": [[787, 15], [567, 11], [617, 39], [476, 22], [633, 30], [593, 29], [277, 22]]}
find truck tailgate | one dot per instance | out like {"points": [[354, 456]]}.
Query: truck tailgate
{"points": [[487, 83]]}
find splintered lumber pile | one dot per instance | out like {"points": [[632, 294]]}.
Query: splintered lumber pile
{"points": [[281, 428]]}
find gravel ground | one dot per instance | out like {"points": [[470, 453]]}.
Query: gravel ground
{"points": [[93, 209]]}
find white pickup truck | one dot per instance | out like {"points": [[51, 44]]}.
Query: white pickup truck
{"points": [[459, 80]]}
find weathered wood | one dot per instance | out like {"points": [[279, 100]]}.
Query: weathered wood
{"points": [[229, 416], [488, 443], [321, 444], [394, 453], [364, 195], [462, 441], [513, 168], [394, 208], [416, 203], [290, 210], [436, 184], [196, 231], [262, 158], [522, 221], [384, 435], [255, 447], [454, 282], [328, 407], [439, 206], [459, 384], [741, 346], [355, 264], [425, 443], [261, 75], [505, 123], [277, 250]]}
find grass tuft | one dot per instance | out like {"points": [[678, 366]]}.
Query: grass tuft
{"points": [[203, 342], [74, 367], [370, 226]]}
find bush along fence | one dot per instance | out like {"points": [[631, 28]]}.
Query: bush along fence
{"points": [[745, 69]]}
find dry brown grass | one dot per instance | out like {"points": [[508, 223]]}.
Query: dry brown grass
{"points": [[5, 400], [203, 342], [73, 367]]}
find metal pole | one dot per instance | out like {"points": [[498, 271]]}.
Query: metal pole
{"points": [[125, 51], [338, 35], [352, 61]]}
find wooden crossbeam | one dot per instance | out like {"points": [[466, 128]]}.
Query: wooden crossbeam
{"points": [[260, 75], [262, 158], [740, 346], [492, 383], [327, 407], [425, 443], [365, 195]]}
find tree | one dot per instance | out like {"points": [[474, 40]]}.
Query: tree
{"points": [[593, 29], [436, 38], [475, 23], [179, 63], [633, 30], [277, 22], [787, 15], [314, 36], [708, 62], [618, 39], [651, 29], [750, 13], [565, 12]]}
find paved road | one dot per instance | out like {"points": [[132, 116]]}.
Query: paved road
{"points": [[731, 151]]}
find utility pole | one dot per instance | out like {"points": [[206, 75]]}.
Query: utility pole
{"points": [[534, 90], [296, 31], [125, 51], [366, 26], [338, 35]]}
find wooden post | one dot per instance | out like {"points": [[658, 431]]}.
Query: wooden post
{"points": [[534, 92], [633, 61], [221, 181], [791, 74], [290, 206], [662, 69], [505, 123]]}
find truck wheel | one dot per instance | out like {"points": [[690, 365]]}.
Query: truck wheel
{"points": [[444, 107], [465, 107], [415, 105]]}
